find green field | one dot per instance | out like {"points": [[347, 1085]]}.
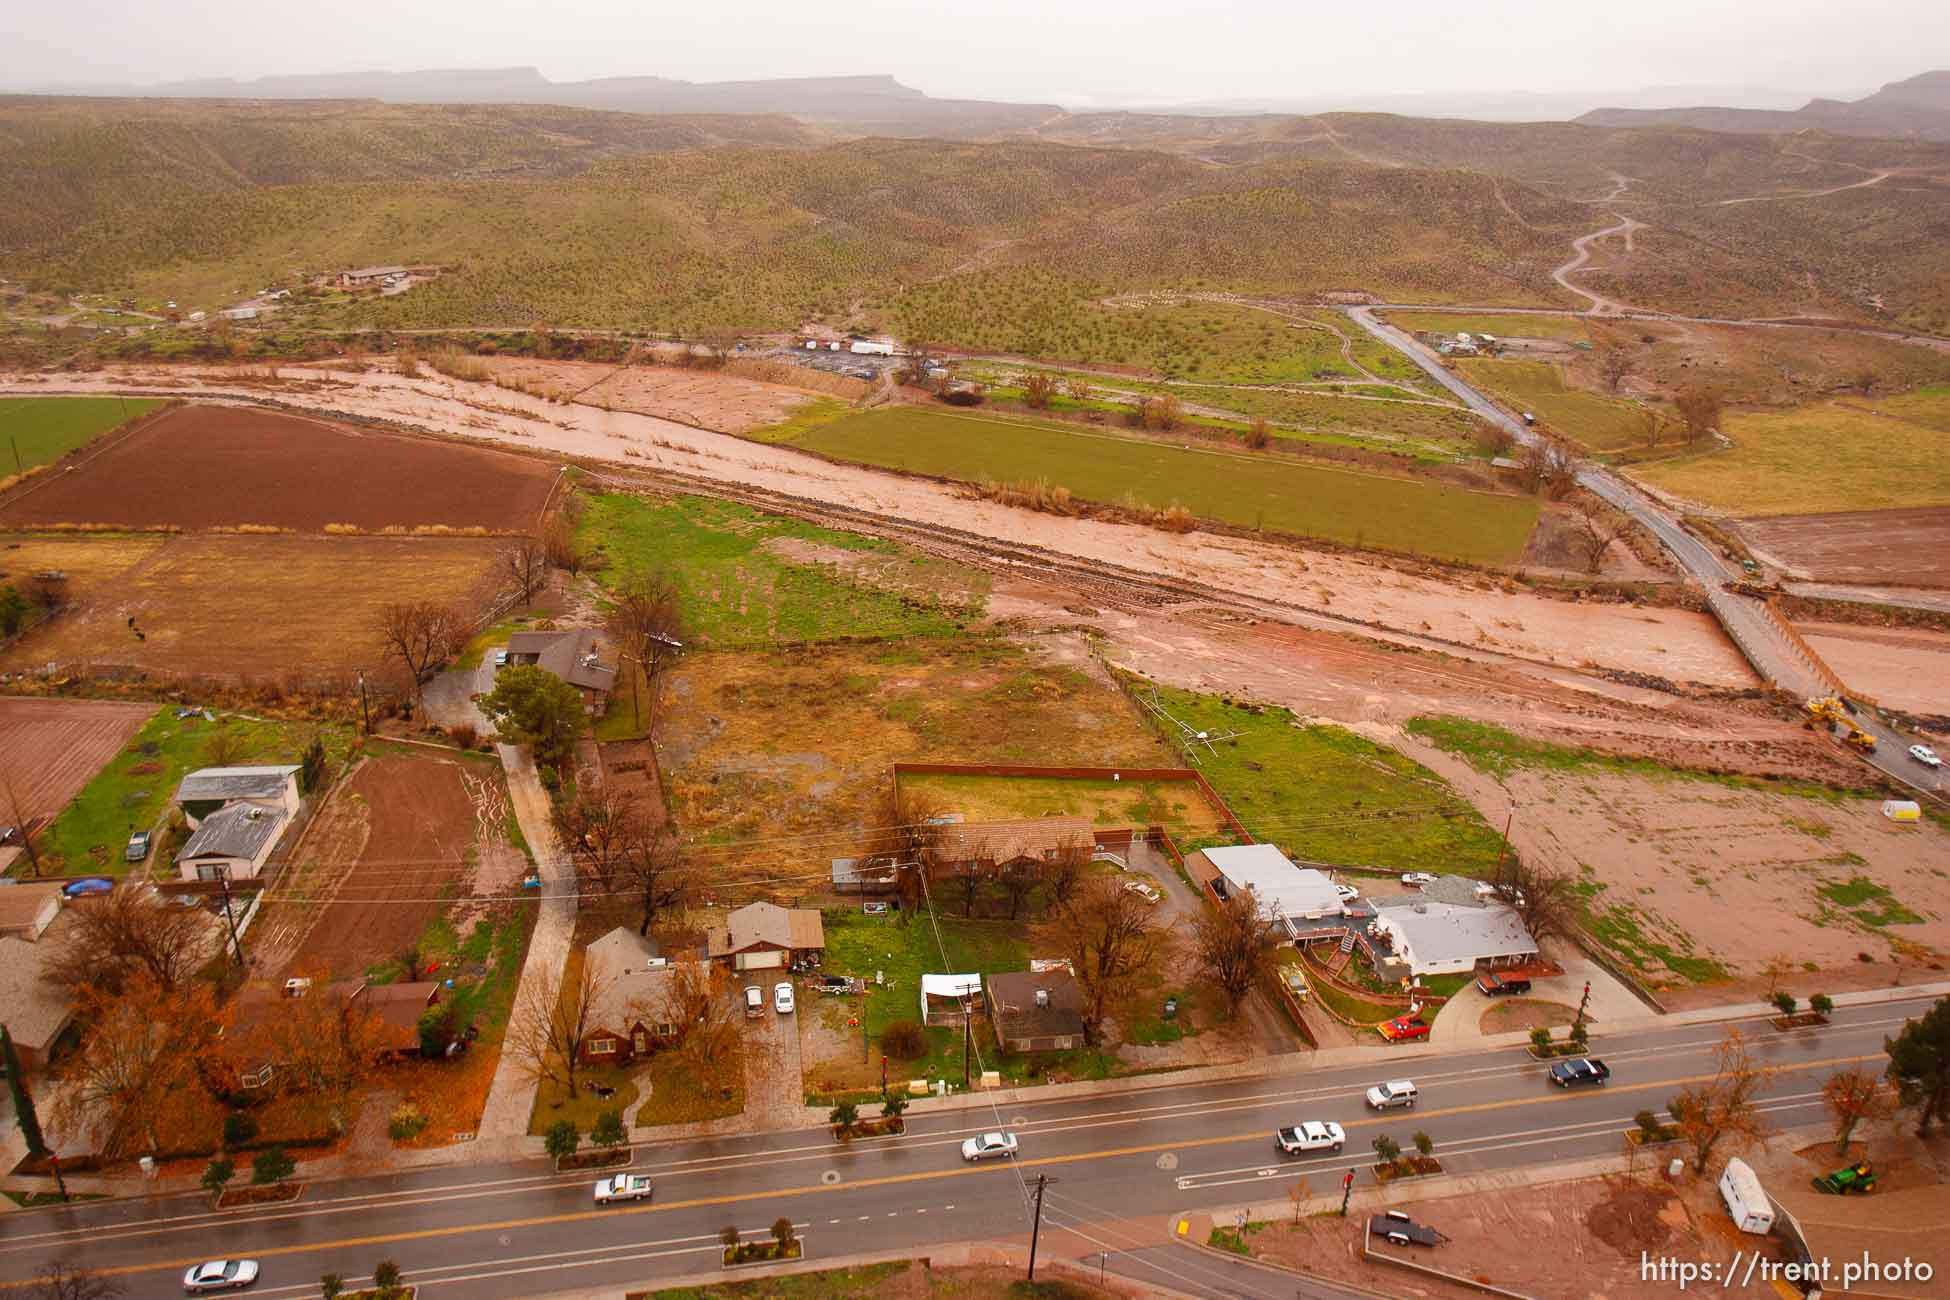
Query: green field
{"points": [[1176, 805], [740, 591], [1249, 491], [1567, 328], [1845, 455], [1324, 793], [41, 430], [1595, 423]]}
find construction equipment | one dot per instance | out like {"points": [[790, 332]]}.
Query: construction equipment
{"points": [[1850, 1180], [1826, 709], [1861, 739]]}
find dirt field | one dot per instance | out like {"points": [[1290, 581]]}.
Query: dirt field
{"points": [[401, 839], [211, 466], [1176, 804], [1691, 881], [723, 403], [1906, 547], [1907, 668], [49, 749], [235, 604]]}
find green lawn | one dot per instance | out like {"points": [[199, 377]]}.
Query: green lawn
{"points": [[1175, 804], [1324, 793], [1238, 488], [804, 418], [740, 590], [553, 1104], [133, 790], [1594, 422], [679, 1097], [41, 430]]}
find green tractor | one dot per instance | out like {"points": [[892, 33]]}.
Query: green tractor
{"points": [[1849, 1180]]}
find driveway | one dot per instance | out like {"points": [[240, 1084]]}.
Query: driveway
{"points": [[449, 698], [775, 1089]]}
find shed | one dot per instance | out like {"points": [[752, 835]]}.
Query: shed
{"points": [[233, 843], [207, 789], [1037, 1011], [36, 1011], [28, 908], [863, 876], [765, 936], [943, 997], [1283, 888]]}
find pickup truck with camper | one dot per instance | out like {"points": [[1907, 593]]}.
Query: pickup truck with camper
{"points": [[1492, 985], [625, 1187], [1314, 1135], [1581, 1071]]}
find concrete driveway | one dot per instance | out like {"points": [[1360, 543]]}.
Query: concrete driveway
{"points": [[448, 699]]}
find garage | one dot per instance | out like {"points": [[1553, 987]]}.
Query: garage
{"points": [[760, 959]]}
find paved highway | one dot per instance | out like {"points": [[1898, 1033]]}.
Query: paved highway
{"points": [[1123, 1164]]}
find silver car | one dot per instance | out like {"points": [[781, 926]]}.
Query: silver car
{"points": [[220, 1275], [989, 1146]]}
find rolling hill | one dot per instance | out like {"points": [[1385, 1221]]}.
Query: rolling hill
{"points": [[1918, 107]]}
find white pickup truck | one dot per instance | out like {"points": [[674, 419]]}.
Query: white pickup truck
{"points": [[625, 1187], [1314, 1135]]}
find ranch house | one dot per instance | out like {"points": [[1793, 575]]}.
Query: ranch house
{"points": [[979, 845], [367, 276], [207, 789], [28, 908], [233, 843], [37, 1011], [1452, 935], [1037, 1011], [576, 656], [765, 936], [631, 1017]]}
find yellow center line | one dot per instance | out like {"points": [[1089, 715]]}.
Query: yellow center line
{"points": [[1556, 1096]]}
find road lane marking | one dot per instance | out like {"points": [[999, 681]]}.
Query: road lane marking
{"points": [[886, 1180]]}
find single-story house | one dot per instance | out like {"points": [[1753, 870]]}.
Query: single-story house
{"points": [[1037, 1011], [630, 1017], [863, 876], [1008, 843], [207, 789], [575, 655], [1284, 889], [944, 996], [1430, 937], [1886, 1227], [622, 951], [233, 843], [28, 908], [397, 1008], [765, 936], [366, 275], [36, 1011], [248, 1045]]}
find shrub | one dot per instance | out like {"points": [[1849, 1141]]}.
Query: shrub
{"points": [[273, 1165], [1386, 1149], [1784, 1002], [1424, 1144], [609, 1132], [1258, 435], [1650, 1126], [891, 1105], [904, 1040], [1580, 1036], [782, 1233], [846, 1114], [408, 1121], [220, 1172], [562, 1138], [1176, 519], [1540, 1038], [729, 1236], [385, 1274], [331, 1286], [1821, 1004], [464, 734], [239, 1127]]}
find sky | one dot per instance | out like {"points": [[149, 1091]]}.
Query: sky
{"points": [[1076, 52]]}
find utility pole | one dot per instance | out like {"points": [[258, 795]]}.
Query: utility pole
{"points": [[1504, 851], [365, 710], [223, 880], [967, 1035], [1036, 1227]]}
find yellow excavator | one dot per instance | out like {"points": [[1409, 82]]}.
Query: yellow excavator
{"points": [[1829, 710]]}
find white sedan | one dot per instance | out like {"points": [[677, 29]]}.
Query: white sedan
{"points": [[1149, 893], [220, 1275], [1348, 893], [1925, 755], [782, 998], [989, 1146], [1417, 878]]}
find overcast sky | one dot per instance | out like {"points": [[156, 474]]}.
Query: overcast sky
{"points": [[1077, 52]]}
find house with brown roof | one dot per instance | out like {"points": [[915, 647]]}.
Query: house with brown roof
{"points": [[28, 908], [36, 1011], [576, 655], [1010, 843], [396, 1010], [631, 1015], [1037, 1011], [765, 936]]}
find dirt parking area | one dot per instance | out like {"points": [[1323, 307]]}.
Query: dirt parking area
{"points": [[49, 749], [719, 402], [1905, 668], [211, 466], [403, 841], [1908, 547]]}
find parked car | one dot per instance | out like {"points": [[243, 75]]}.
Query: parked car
{"points": [[782, 997], [835, 984], [1396, 1092], [754, 1000], [138, 848], [1347, 892], [1149, 893], [625, 1187], [1403, 1028], [1314, 1135], [1403, 1231], [1582, 1070], [500, 658], [1493, 985], [220, 1275], [1925, 755], [1417, 878], [86, 886], [989, 1146]]}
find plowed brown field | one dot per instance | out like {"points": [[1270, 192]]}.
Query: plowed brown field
{"points": [[49, 749], [1910, 547], [211, 466]]}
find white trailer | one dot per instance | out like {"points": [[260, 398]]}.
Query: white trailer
{"points": [[872, 348], [1741, 1190]]}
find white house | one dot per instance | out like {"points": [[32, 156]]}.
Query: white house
{"points": [[27, 908], [1431, 937], [233, 843], [207, 789], [1284, 889]]}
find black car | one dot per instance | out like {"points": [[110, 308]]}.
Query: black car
{"points": [[1583, 1070]]}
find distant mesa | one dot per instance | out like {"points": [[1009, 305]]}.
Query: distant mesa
{"points": [[1918, 108]]}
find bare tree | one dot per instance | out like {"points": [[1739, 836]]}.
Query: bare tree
{"points": [[1019, 880], [138, 1047], [1615, 365], [526, 564], [1545, 900], [648, 622], [654, 870], [321, 1043], [1490, 438], [1594, 526], [1854, 1097], [1039, 388], [16, 818], [1109, 935], [422, 635], [1700, 409], [60, 1280], [550, 1021], [1549, 468], [1722, 1109], [1650, 426], [697, 1004], [1233, 946], [125, 935], [1079, 390], [601, 828], [562, 546], [1864, 380]]}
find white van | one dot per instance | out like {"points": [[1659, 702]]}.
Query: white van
{"points": [[754, 1000], [1746, 1202]]}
